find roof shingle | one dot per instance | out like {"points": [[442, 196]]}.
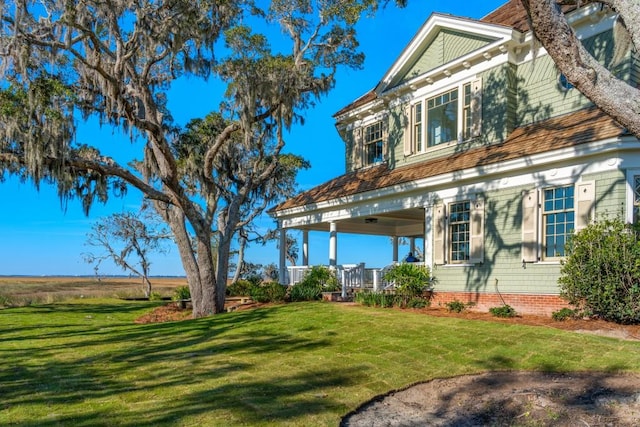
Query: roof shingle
{"points": [[569, 130]]}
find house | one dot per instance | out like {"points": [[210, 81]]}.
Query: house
{"points": [[475, 143]]}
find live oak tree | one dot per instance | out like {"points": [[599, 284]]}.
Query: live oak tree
{"points": [[128, 239], [63, 62], [614, 96]]}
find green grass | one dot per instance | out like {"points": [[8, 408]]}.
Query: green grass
{"points": [[85, 363]]}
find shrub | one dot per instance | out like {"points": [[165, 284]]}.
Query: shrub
{"points": [[565, 313], [269, 292], [240, 288], [601, 272], [418, 302], [155, 296], [181, 293], [456, 306], [409, 279], [376, 299], [503, 311], [317, 280]]}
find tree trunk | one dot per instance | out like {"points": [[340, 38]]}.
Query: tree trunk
{"points": [[222, 270], [198, 263]]}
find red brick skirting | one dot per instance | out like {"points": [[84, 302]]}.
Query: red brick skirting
{"points": [[543, 305]]}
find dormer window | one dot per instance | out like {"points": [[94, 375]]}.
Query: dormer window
{"points": [[373, 143]]}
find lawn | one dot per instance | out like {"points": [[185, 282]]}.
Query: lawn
{"points": [[85, 363]]}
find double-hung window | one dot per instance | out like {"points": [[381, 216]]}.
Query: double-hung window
{"points": [[458, 232], [558, 217], [550, 215], [373, 144], [459, 229]]}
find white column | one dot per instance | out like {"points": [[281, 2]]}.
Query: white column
{"points": [[428, 237], [395, 248], [283, 255], [333, 244], [305, 247]]}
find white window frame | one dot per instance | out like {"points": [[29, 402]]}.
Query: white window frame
{"points": [[442, 238], [464, 120], [533, 224], [366, 144], [630, 195]]}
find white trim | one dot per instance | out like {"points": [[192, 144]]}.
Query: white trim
{"points": [[629, 197], [498, 171]]}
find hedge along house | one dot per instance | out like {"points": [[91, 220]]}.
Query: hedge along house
{"points": [[476, 143]]}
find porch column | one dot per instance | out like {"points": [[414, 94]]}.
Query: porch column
{"points": [[333, 244], [305, 247], [395, 248], [428, 236], [282, 276]]}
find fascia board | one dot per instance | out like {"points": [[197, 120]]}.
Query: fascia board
{"points": [[535, 161], [432, 26]]}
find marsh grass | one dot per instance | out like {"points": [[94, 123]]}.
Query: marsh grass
{"points": [[85, 362], [25, 291]]}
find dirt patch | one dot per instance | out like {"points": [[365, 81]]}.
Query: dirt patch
{"points": [[172, 312], [507, 399]]}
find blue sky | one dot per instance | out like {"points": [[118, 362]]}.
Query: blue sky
{"points": [[39, 237]]}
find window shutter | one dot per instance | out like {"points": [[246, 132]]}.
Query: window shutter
{"points": [[439, 227], [385, 138], [585, 201], [476, 238], [358, 148], [530, 226], [408, 126], [476, 108]]}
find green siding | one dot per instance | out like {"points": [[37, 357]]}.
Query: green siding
{"points": [[503, 238], [447, 46]]}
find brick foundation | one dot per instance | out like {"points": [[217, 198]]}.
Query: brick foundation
{"points": [[543, 305]]}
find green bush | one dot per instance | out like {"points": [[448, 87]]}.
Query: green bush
{"points": [[601, 273], [240, 288], [503, 311], [269, 292], [565, 313], [418, 302], [410, 280], [155, 296], [376, 299], [456, 306], [181, 293], [317, 280]]}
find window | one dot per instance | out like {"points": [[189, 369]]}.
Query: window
{"points": [[417, 127], [373, 144], [459, 237], [442, 118], [558, 220], [459, 227], [551, 215], [636, 199], [467, 112], [449, 116]]}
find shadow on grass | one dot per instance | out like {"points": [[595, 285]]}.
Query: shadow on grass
{"points": [[80, 363]]}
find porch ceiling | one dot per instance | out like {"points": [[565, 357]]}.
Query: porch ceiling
{"points": [[405, 223]]}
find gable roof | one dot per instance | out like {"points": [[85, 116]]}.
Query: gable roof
{"points": [[569, 130], [510, 15]]}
